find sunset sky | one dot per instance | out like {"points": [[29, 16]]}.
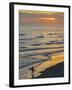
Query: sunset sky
{"points": [[36, 20]]}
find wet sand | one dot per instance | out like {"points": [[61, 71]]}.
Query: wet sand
{"points": [[45, 67], [55, 59], [54, 71]]}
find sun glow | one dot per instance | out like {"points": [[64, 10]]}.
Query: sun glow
{"points": [[52, 19]]}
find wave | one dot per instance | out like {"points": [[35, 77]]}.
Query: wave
{"points": [[31, 63], [43, 53], [31, 49]]}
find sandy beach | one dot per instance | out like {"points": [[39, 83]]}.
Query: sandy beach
{"points": [[56, 59], [54, 71]]}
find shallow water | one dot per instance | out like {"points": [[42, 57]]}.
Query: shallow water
{"points": [[35, 49]]}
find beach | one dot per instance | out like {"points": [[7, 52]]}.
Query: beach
{"points": [[41, 44], [40, 68], [54, 71]]}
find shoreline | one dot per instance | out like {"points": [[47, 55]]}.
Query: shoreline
{"points": [[54, 71], [55, 59]]}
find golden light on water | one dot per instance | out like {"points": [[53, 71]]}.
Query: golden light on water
{"points": [[52, 19], [55, 60]]}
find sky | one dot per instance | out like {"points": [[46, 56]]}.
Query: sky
{"points": [[40, 20]]}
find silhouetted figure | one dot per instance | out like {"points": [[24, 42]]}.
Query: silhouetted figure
{"points": [[32, 69]]}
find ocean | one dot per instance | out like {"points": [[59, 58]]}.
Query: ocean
{"points": [[37, 48]]}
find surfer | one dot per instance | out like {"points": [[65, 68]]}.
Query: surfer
{"points": [[32, 69]]}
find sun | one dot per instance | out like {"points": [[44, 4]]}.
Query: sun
{"points": [[51, 19]]}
